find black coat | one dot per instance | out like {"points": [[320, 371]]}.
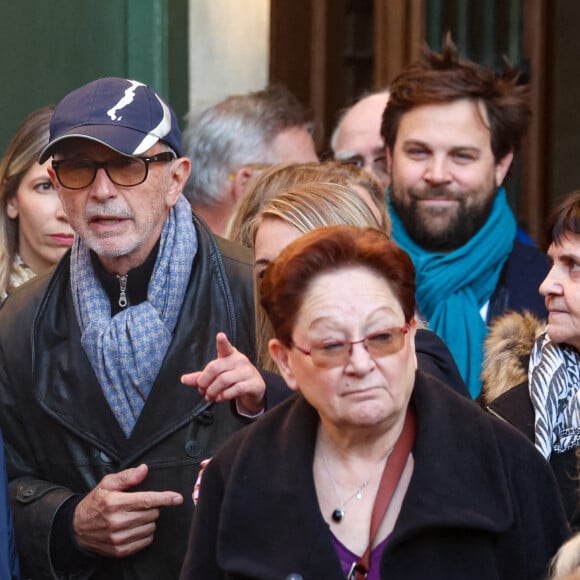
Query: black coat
{"points": [[481, 503], [434, 357], [515, 407], [62, 438]]}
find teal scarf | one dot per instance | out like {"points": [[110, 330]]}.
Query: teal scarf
{"points": [[452, 288]]}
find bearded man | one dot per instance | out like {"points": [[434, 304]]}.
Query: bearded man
{"points": [[451, 129]]}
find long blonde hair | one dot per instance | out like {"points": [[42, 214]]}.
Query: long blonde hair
{"points": [[21, 154], [305, 207]]}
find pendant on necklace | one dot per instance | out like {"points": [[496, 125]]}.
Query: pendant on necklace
{"points": [[359, 494], [337, 514]]}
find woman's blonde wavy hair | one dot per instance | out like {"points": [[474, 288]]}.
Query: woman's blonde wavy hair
{"points": [[305, 207]]}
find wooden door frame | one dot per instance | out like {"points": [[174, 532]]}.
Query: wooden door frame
{"points": [[399, 33], [535, 199]]}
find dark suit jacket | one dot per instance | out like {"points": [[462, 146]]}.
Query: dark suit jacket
{"points": [[518, 285]]}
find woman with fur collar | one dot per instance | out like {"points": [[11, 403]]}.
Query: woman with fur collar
{"points": [[532, 370]]}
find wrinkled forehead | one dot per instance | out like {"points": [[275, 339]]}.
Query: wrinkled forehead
{"points": [[348, 287]]}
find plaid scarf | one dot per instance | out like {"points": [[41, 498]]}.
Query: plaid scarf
{"points": [[554, 383], [126, 351]]}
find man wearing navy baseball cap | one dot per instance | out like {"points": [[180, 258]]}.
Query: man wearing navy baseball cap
{"points": [[103, 441]]}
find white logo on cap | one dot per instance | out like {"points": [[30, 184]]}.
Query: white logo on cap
{"points": [[127, 99]]}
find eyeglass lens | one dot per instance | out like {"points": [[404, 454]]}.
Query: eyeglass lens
{"points": [[378, 344], [123, 171]]}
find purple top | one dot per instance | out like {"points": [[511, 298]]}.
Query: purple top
{"points": [[347, 558]]}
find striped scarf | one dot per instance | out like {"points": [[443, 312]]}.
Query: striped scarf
{"points": [[554, 383]]}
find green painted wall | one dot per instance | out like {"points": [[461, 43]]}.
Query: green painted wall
{"points": [[48, 48]]}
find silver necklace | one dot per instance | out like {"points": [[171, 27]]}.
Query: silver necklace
{"points": [[338, 513]]}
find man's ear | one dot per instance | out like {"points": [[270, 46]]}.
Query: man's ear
{"points": [[180, 170], [239, 181], [502, 167], [279, 353]]}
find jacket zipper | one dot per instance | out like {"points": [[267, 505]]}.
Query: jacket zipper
{"points": [[122, 290]]}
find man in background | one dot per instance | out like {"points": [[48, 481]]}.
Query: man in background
{"points": [[357, 136], [232, 139], [451, 128]]}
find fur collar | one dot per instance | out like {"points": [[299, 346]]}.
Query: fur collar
{"points": [[507, 350]]}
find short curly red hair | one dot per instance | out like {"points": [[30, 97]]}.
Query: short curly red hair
{"points": [[288, 278]]}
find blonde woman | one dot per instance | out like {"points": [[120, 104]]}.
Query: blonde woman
{"points": [[566, 563], [35, 231], [286, 217]]}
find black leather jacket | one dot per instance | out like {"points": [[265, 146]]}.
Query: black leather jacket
{"points": [[61, 436]]}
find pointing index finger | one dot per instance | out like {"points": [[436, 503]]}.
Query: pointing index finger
{"points": [[223, 345]]}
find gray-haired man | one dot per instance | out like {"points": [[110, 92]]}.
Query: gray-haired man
{"points": [[103, 442], [230, 140]]}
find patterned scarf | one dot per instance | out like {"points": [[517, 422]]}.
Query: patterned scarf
{"points": [[554, 383], [452, 288], [126, 351], [20, 272]]}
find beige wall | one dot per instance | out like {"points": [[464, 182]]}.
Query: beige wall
{"points": [[229, 48]]}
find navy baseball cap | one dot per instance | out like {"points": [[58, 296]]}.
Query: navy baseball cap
{"points": [[127, 116]]}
